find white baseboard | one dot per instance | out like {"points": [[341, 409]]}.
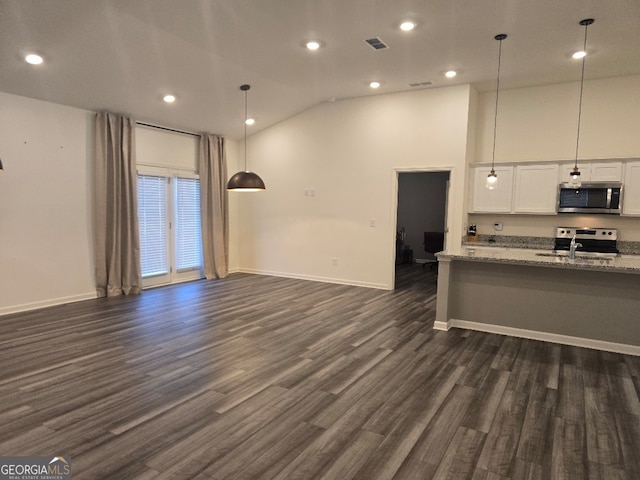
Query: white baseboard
{"points": [[543, 336], [314, 278], [444, 326], [46, 303], [88, 296]]}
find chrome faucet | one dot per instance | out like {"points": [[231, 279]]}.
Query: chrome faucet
{"points": [[572, 247]]}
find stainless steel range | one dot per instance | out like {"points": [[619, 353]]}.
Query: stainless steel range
{"points": [[586, 241]]}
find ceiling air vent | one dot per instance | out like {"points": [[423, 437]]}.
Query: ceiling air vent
{"points": [[376, 43], [420, 84]]}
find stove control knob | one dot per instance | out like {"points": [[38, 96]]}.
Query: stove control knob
{"points": [[610, 233]]}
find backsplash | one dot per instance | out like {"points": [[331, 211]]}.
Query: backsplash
{"points": [[629, 248], [544, 225], [513, 241]]}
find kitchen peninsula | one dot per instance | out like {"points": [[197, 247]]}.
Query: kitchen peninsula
{"points": [[588, 302]]}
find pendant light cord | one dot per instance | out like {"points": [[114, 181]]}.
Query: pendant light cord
{"points": [[500, 37], [245, 129], [586, 24]]}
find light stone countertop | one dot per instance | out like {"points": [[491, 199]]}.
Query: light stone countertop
{"points": [[522, 256]]}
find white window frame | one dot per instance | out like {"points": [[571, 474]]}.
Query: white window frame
{"points": [[174, 275]]}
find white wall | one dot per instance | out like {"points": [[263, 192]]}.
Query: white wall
{"points": [[540, 124], [348, 152], [164, 148], [46, 202]]}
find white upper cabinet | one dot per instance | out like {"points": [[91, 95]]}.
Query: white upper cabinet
{"points": [[631, 189], [567, 168], [606, 172], [498, 200], [533, 188], [593, 171], [536, 189]]}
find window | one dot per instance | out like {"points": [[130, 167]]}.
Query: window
{"points": [[169, 222], [188, 235], [153, 225]]}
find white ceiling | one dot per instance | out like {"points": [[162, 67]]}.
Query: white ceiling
{"points": [[124, 55]]}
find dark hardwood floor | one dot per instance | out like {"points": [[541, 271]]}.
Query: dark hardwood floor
{"points": [[257, 377]]}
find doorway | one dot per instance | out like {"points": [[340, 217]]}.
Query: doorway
{"points": [[421, 207]]}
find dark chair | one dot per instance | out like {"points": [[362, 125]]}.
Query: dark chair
{"points": [[433, 243]]}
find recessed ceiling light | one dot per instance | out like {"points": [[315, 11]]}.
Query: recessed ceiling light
{"points": [[313, 45], [579, 55], [33, 59], [250, 121], [450, 74], [407, 26], [169, 98], [374, 84]]}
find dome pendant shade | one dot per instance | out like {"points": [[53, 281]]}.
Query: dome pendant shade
{"points": [[245, 182]]}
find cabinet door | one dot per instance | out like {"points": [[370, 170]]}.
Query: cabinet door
{"points": [[492, 201], [536, 189], [567, 168], [606, 172], [631, 192]]}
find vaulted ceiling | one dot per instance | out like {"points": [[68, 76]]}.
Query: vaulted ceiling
{"points": [[125, 55]]}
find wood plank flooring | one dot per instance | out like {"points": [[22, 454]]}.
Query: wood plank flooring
{"points": [[257, 377]]}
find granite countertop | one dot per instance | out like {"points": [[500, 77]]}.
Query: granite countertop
{"points": [[543, 258], [538, 243]]}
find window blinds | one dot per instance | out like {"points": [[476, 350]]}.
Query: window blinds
{"points": [[188, 235], [152, 219]]}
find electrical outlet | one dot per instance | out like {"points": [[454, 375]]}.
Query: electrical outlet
{"points": [[372, 222], [335, 261], [497, 226]]}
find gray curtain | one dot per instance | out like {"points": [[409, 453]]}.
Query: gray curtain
{"points": [[117, 243], [214, 215]]}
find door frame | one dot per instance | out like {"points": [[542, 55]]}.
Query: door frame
{"points": [[173, 275], [394, 209]]}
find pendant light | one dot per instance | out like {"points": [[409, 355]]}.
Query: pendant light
{"points": [[492, 178], [574, 176], [245, 181]]}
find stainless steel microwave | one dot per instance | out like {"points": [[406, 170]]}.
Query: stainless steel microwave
{"points": [[590, 197]]}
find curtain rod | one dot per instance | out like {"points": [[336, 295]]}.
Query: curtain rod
{"points": [[168, 129]]}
